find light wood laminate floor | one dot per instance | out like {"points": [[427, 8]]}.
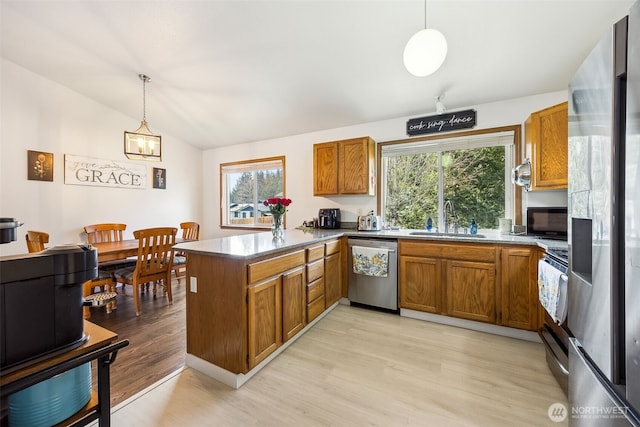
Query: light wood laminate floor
{"points": [[361, 367]]}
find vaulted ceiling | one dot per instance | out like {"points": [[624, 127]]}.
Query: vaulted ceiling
{"points": [[229, 72]]}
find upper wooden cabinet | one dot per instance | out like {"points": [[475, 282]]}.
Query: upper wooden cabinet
{"points": [[546, 141], [344, 167]]}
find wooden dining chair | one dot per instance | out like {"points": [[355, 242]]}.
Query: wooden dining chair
{"points": [[153, 265], [36, 241], [108, 232], [190, 231]]}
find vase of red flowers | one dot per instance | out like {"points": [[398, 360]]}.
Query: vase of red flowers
{"points": [[278, 207]]}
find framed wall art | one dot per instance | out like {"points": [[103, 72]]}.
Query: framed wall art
{"points": [[39, 166], [160, 178]]}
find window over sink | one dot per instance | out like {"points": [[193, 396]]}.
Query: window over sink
{"points": [[244, 186], [468, 173]]}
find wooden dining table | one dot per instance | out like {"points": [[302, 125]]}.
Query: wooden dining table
{"points": [[111, 251]]}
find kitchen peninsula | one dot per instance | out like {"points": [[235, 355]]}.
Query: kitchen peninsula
{"points": [[249, 296]]}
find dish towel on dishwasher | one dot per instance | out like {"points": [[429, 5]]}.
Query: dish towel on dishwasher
{"points": [[552, 291], [370, 261]]}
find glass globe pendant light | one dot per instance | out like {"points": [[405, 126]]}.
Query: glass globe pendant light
{"points": [[425, 51]]}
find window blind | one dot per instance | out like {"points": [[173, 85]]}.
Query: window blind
{"points": [[447, 144]]}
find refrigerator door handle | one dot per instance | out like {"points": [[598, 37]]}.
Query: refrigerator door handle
{"points": [[604, 382]]}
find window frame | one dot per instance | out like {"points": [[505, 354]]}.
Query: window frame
{"points": [[243, 164], [516, 207]]}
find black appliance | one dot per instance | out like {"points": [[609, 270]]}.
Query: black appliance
{"points": [[8, 229], [547, 223], [604, 230], [41, 302], [329, 218]]}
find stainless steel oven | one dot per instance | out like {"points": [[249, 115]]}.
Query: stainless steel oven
{"points": [[373, 272], [555, 334]]}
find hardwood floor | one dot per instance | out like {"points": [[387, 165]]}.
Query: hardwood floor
{"points": [[361, 367], [157, 339]]}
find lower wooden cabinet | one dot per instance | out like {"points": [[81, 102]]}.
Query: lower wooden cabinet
{"points": [[265, 319], [480, 282], [244, 309], [471, 290], [419, 284], [519, 287], [332, 278], [294, 299]]}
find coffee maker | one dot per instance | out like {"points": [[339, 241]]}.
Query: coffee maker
{"points": [[329, 218]]}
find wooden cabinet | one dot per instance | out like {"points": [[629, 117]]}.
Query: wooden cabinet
{"points": [[332, 272], [240, 310], [276, 303], [344, 167], [482, 282], [471, 290], [265, 319], [294, 302], [546, 144], [315, 282], [454, 279], [419, 285], [519, 287]]}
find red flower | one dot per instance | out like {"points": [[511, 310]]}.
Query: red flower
{"points": [[277, 205]]}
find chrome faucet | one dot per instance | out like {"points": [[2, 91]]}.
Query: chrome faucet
{"points": [[448, 206]]}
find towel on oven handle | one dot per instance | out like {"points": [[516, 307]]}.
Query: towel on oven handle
{"points": [[552, 291], [370, 261]]}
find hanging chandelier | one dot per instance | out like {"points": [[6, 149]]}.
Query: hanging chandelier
{"points": [[142, 144], [425, 51]]}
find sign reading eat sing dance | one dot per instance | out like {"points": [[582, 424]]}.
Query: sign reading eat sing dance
{"points": [[441, 123], [103, 173]]}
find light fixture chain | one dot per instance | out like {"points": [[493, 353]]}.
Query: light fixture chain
{"points": [[144, 98]]}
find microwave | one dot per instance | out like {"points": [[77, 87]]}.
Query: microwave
{"points": [[547, 223]]}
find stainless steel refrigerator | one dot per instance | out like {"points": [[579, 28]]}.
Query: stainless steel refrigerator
{"points": [[604, 231]]}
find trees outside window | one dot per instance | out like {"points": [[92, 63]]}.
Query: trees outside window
{"points": [[419, 178]]}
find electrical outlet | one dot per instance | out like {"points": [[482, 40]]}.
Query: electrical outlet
{"points": [[193, 284]]}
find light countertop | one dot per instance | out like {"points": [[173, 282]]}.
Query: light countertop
{"points": [[258, 244]]}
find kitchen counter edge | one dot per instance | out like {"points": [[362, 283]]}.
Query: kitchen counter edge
{"points": [[253, 245]]}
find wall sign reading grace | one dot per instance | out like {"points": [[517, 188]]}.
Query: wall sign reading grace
{"points": [[103, 173], [441, 123]]}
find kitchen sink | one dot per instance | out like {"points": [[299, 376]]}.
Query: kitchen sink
{"points": [[438, 234]]}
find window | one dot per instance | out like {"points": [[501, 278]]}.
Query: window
{"points": [[469, 174], [244, 186]]}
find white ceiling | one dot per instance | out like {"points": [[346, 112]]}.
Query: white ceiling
{"points": [[229, 72]]}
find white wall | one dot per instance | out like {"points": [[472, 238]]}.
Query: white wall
{"points": [[38, 114], [299, 159]]}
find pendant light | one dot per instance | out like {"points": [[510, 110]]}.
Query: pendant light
{"points": [[142, 144], [425, 51]]}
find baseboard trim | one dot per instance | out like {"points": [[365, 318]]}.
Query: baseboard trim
{"points": [[236, 381], [470, 324]]}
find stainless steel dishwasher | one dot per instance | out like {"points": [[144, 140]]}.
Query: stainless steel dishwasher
{"points": [[370, 283]]}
